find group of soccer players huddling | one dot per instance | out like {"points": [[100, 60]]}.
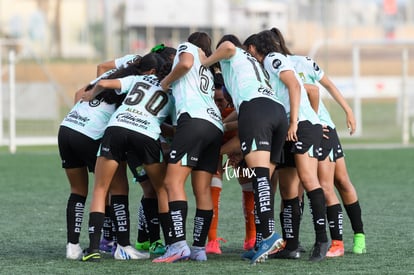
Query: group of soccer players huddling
{"points": [[189, 113]]}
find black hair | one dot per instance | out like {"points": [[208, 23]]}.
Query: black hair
{"points": [[164, 70], [148, 62], [138, 67], [232, 38], [201, 40], [265, 43], [251, 40], [218, 80], [167, 53], [277, 35]]}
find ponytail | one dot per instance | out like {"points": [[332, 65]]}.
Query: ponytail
{"points": [[277, 35]]}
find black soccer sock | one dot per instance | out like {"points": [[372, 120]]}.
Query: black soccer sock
{"points": [[335, 221], [178, 212], [202, 222], [143, 234], [151, 216], [107, 226], [291, 217], [166, 225], [354, 213], [74, 217], [120, 207], [318, 211], [96, 220], [302, 205], [282, 225], [264, 204], [112, 215]]}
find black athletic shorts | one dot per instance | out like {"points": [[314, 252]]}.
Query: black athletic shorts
{"points": [[309, 141], [136, 168], [77, 150], [117, 141], [263, 126], [196, 144], [331, 147]]}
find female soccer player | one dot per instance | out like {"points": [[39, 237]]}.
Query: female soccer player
{"points": [[79, 136], [135, 126], [148, 237], [262, 128], [332, 170], [304, 138], [332, 159], [194, 149]]}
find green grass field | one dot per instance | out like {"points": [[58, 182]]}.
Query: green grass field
{"points": [[33, 198]]}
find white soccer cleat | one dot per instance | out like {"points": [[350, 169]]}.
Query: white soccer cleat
{"points": [[73, 251], [198, 254], [129, 253]]}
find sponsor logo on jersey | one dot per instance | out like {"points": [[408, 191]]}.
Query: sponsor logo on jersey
{"points": [[135, 111], [132, 120], [276, 63], [213, 114], [266, 91], [315, 66], [74, 115]]}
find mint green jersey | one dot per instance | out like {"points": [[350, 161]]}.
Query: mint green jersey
{"points": [[145, 106], [275, 63], [194, 92], [126, 60], [310, 73], [89, 117], [245, 78]]}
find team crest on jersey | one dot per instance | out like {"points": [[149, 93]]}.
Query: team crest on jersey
{"points": [[182, 48], [213, 114], [276, 63], [315, 66], [302, 76], [94, 102]]}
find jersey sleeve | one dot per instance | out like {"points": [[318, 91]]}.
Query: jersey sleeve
{"points": [[185, 48], [276, 63], [104, 75], [317, 72], [126, 84], [124, 61]]}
